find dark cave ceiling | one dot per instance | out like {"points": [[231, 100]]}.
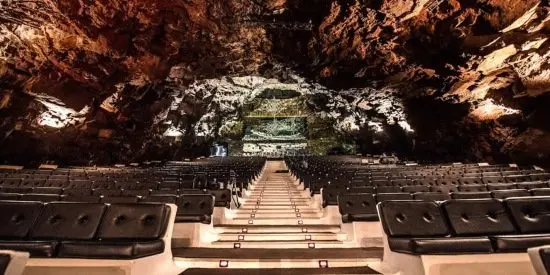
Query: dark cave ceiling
{"points": [[96, 80]]}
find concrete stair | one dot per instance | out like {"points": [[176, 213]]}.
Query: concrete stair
{"points": [[276, 214], [277, 226]]}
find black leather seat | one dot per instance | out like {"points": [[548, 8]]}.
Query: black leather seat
{"points": [[133, 193], [127, 231], [222, 197], [15, 189], [78, 192], [93, 199], [493, 180], [531, 217], [48, 190], [68, 221], [444, 188], [80, 184], [448, 181], [107, 192], [380, 197], [17, 220], [518, 179], [416, 188], [501, 186], [472, 188], [540, 177], [330, 195], [164, 192], [431, 196], [195, 208], [388, 189], [40, 197], [426, 182], [9, 196], [473, 180], [510, 193], [532, 185], [160, 198], [401, 182], [120, 199], [540, 192], [357, 207], [478, 217], [190, 192], [362, 190], [419, 227], [471, 195]]}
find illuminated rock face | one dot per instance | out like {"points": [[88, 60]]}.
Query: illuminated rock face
{"points": [[469, 79]]}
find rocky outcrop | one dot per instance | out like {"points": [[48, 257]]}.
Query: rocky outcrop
{"points": [[78, 79]]}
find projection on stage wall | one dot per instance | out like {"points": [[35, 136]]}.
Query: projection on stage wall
{"points": [[282, 129]]}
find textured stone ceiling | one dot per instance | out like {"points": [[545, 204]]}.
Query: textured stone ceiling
{"points": [[94, 79]]}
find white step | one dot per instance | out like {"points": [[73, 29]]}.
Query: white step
{"points": [[255, 206], [271, 263], [281, 244], [277, 229], [275, 216], [288, 204], [236, 237], [282, 222], [282, 211], [282, 200]]}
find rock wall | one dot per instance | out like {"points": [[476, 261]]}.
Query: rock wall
{"points": [[96, 81]]}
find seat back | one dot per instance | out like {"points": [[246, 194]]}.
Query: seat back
{"points": [[478, 217], [195, 208], [431, 196], [222, 197], [134, 221], [357, 207], [330, 195], [17, 218], [531, 215], [69, 221], [412, 218], [380, 197]]}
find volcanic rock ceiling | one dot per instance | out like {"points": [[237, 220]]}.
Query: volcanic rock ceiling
{"points": [[109, 80]]}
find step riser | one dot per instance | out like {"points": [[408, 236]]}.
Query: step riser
{"points": [[273, 207], [275, 200], [284, 202], [279, 211], [275, 230], [267, 263], [274, 217], [277, 245], [282, 222], [281, 237]]}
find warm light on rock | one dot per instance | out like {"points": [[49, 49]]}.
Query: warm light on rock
{"points": [[488, 110], [57, 116], [173, 132]]}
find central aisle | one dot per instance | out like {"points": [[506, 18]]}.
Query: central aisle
{"points": [[277, 214], [279, 225]]}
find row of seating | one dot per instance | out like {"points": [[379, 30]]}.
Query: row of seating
{"points": [[330, 193], [320, 172], [179, 174], [191, 207], [466, 226], [362, 207], [83, 230], [223, 196]]}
